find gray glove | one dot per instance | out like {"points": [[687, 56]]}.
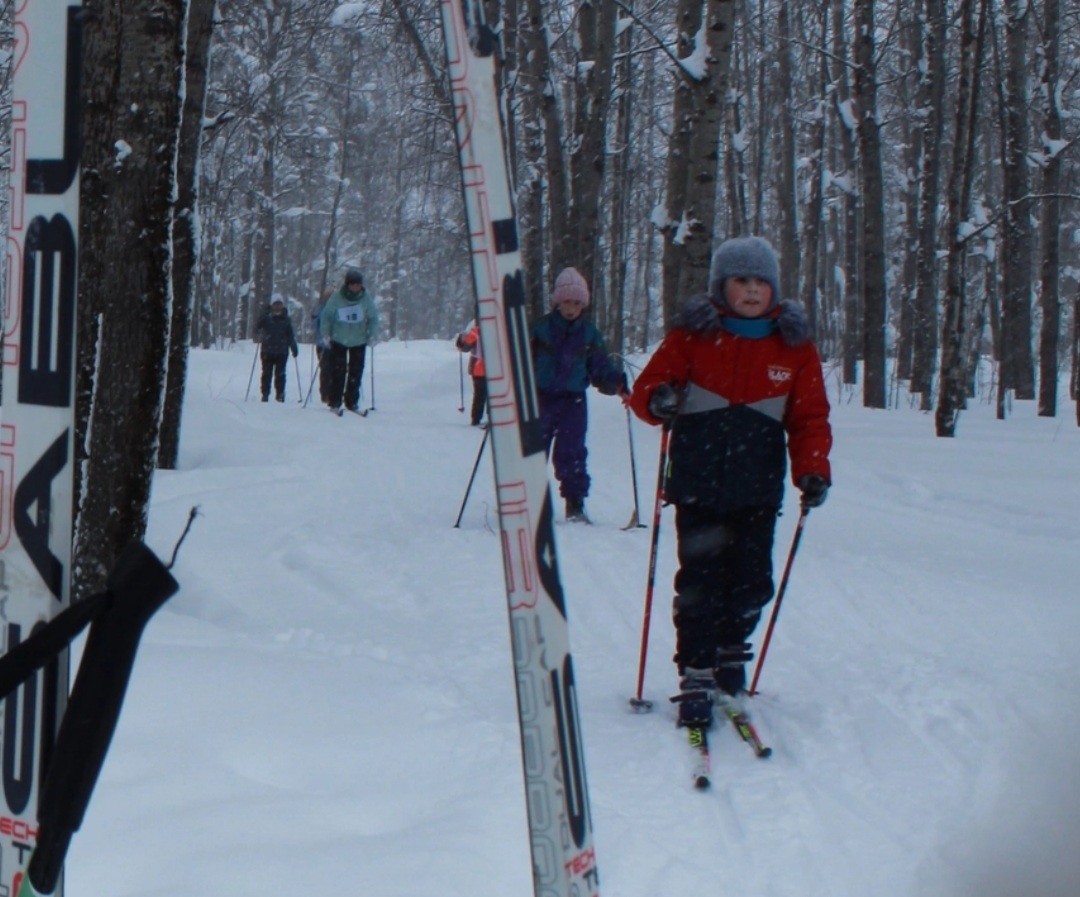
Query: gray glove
{"points": [[814, 489], [664, 402]]}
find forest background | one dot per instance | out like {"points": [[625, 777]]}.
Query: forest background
{"points": [[915, 164]]}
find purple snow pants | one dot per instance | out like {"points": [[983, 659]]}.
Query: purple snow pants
{"points": [[564, 418]]}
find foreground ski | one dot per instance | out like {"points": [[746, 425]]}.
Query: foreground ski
{"points": [[560, 824], [36, 441], [702, 771], [742, 724]]}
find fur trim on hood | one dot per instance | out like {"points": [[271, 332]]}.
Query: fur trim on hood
{"points": [[702, 315]]}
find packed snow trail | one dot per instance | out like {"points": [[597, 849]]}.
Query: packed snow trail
{"points": [[329, 696]]}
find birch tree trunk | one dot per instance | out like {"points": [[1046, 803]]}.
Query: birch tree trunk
{"points": [[132, 65], [848, 265], [547, 119], [592, 95], [700, 99], [622, 188], [735, 165], [815, 203], [788, 194]]}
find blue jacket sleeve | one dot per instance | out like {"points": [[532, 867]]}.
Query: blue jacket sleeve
{"points": [[602, 372]]}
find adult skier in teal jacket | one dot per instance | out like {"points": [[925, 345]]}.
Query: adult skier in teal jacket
{"points": [[349, 323]]}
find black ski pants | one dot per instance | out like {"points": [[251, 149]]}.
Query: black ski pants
{"points": [[273, 367], [346, 371], [723, 581], [479, 399]]}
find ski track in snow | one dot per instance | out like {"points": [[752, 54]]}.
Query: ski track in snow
{"points": [[328, 702]]}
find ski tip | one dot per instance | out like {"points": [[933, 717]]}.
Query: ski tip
{"points": [[640, 705]]}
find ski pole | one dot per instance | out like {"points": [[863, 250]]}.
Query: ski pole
{"points": [[299, 388], [461, 379], [372, 408], [637, 702], [635, 518], [251, 376], [779, 597], [472, 476], [311, 385]]}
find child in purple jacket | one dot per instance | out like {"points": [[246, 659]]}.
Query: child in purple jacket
{"points": [[569, 355]]}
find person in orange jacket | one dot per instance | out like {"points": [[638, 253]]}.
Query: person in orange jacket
{"points": [[469, 341], [739, 382]]}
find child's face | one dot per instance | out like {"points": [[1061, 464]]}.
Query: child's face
{"points": [[570, 309], [748, 297]]}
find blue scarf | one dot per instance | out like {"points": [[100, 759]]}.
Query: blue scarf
{"points": [[751, 328]]}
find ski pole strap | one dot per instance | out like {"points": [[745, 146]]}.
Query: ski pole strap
{"points": [[29, 656], [734, 654], [139, 585]]}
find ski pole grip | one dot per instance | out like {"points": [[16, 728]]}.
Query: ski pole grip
{"points": [[138, 585]]}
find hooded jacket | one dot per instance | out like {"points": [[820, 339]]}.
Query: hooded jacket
{"points": [[275, 334], [753, 393], [350, 319]]}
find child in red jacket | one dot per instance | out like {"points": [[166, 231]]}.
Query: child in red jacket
{"points": [[469, 341], [740, 383]]}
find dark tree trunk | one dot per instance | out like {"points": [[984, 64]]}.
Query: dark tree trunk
{"points": [[932, 92], [951, 398], [131, 66], [1050, 293], [872, 191], [185, 239], [1017, 364], [912, 38]]}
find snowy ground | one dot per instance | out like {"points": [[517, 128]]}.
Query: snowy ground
{"points": [[327, 705]]}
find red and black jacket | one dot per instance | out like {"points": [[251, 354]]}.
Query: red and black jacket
{"points": [[749, 400]]}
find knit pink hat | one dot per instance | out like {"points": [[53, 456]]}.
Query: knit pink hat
{"points": [[570, 285]]}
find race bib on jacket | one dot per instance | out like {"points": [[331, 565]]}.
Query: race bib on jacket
{"points": [[351, 314]]}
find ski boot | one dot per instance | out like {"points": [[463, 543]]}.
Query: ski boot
{"points": [[730, 676], [575, 511], [695, 698]]}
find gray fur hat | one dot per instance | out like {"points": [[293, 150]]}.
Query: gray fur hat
{"points": [[745, 257]]}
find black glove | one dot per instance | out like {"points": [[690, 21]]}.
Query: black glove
{"points": [[814, 489], [664, 402], [295, 351]]}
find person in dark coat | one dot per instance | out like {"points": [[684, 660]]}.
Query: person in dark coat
{"points": [[739, 382], [569, 355], [276, 339]]}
